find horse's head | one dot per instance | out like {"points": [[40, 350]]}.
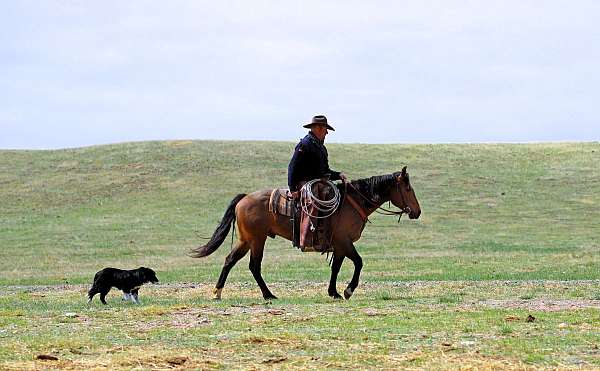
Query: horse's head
{"points": [[403, 195]]}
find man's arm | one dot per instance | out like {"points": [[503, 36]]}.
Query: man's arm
{"points": [[294, 168], [337, 175]]}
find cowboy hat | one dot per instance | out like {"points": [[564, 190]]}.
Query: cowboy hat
{"points": [[319, 120]]}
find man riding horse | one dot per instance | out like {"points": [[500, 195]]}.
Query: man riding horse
{"points": [[255, 221], [310, 161]]}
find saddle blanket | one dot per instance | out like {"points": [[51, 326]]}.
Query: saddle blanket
{"points": [[280, 203]]}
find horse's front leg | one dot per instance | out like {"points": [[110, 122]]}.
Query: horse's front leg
{"points": [[357, 260], [336, 264], [256, 255]]}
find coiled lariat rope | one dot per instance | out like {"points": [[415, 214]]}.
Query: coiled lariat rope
{"points": [[326, 207]]}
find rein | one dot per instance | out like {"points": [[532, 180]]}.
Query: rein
{"points": [[385, 211]]}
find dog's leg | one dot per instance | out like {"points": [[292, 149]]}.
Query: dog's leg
{"points": [[127, 296], [134, 294], [102, 296]]}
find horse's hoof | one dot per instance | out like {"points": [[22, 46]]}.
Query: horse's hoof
{"points": [[217, 294], [348, 293], [334, 294]]}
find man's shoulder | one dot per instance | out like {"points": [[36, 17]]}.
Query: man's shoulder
{"points": [[305, 142], [305, 139], [309, 140]]}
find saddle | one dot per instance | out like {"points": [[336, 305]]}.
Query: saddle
{"points": [[280, 202], [309, 233]]}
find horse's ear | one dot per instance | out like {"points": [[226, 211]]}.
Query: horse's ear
{"points": [[404, 171]]}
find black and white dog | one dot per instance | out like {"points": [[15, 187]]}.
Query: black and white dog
{"points": [[129, 281]]}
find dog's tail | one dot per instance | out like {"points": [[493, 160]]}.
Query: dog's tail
{"points": [[221, 232], [91, 293]]}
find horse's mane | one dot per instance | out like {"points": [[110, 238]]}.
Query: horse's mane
{"points": [[375, 187]]}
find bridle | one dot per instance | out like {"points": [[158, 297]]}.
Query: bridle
{"points": [[405, 210]]}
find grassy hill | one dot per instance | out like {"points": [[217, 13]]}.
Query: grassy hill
{"points": [[501, 271], [490, 211]]}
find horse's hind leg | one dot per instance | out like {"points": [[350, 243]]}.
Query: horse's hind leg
{"points": [[256, 255], [238, 252]]}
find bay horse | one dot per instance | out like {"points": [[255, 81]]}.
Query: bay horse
{"points": [[255, 223]]}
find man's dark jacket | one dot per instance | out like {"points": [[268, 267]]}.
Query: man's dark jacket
{"points": [[310, 161]]}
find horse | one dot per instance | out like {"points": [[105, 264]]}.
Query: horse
{"points": [[255, 223]]}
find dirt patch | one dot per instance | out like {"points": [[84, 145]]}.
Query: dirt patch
{"points": [[269, 340], [542, 305], [185, 317], [157, 362]]}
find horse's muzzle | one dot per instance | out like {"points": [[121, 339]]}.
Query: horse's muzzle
{"points": [[414, 214]]}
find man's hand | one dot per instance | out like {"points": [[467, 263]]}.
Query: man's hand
{"points": [[295, 195], [344, 178]]}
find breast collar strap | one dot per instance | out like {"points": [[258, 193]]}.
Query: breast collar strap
{"points": [[358, 208]]}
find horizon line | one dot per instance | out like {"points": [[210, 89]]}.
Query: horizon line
{"points": [[286, 141]]}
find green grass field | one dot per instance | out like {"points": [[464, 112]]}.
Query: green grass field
{"points": [[507, 231]]}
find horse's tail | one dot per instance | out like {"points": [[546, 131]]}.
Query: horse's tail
{"points": [[221, 232]]}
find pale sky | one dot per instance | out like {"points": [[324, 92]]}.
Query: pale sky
{"points": [[79, 73]]}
